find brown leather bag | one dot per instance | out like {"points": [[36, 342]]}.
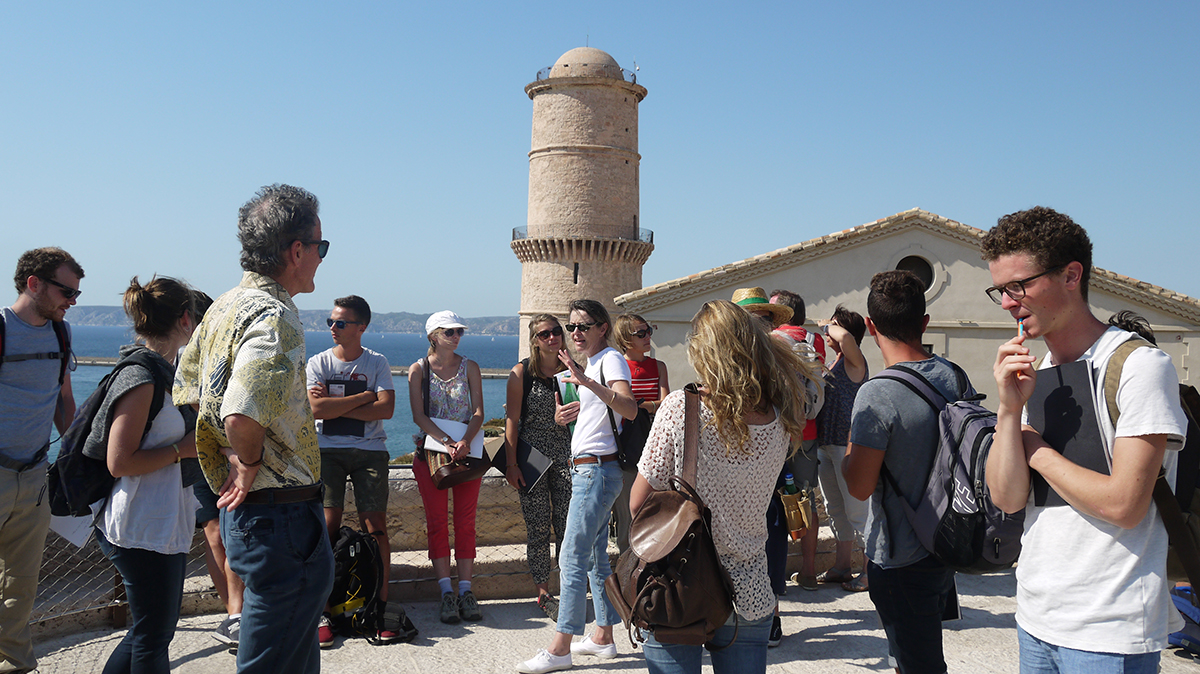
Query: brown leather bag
{"points": [[444, 472], [670, 581]]}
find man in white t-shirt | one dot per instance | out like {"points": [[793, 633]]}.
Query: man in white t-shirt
{"points": [[1092, 592], [351, 392]]}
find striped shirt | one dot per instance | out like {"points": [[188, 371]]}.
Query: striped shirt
{"points": [[645, 378]]}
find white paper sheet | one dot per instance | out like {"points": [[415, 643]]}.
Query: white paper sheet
{"points": [[76, 530], [456, 430]]}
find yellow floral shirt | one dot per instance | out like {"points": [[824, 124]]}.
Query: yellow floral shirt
{"points": [[247, 357]]}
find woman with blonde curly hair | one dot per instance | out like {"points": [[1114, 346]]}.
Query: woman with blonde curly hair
{"points": [[751, 410]]}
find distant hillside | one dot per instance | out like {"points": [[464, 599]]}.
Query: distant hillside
{"points": [[315, 320]]}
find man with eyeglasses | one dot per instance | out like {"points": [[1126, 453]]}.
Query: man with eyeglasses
{"points": [[255, 436], [351, 392], [1092, 592], [35, 392]]}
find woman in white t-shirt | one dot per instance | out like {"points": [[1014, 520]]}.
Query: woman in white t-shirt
{"points": [[751, 409], [146, 525], [603, 385]]}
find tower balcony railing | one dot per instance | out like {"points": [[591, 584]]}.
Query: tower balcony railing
{"points": [[598, 231], [627, 75]]}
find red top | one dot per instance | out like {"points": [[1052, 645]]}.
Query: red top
{"points": [[645, 378]]}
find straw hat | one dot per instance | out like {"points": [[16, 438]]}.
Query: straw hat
{"points": [[756, 299]]}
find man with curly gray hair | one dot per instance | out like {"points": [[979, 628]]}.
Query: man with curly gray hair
{"points": [[255, 437]]}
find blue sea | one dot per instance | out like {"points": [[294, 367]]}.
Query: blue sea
{"points": [[498, 352]]}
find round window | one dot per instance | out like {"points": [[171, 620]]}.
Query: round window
{"points": [[919, 266]]}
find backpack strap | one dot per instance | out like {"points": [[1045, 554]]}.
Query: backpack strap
{"points": [[526, 387], [691, 433], [917, 383], [1112, 374], [425, 383], [63, 354], [612, 420]]}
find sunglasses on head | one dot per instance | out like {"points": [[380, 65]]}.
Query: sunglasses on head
{"points": [[341, 325], [67, 291], [322, 247], [454, 331], [582, 327], [640, 334], [556, 331]]}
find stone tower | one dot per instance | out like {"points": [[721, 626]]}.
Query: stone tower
{"points": [[583, 239]]}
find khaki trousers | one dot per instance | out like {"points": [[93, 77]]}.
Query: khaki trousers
{"points": [[24, 520]]}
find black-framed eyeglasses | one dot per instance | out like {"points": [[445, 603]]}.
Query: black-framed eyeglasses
{"points": [[67, 291], [641, 334], [1016, 289], [341, 325], [556, 331], [581, 327], [322, 247], [450, 332]]}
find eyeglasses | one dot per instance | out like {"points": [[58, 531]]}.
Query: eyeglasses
{"points": [[450, 332], [1016, 289], [641, 334], [556, 331], [341, 325], [322, 247], [68, 292], [582, 327]]}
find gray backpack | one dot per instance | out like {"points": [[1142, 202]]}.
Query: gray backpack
{"points": [[955, 518]]}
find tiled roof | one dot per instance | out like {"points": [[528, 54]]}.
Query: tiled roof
{"points": [[701, 282]]}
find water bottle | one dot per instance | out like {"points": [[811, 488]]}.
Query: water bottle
{"points": [[789, 484]]}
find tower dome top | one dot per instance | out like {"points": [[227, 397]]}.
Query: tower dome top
{"points": [[586, 62]]}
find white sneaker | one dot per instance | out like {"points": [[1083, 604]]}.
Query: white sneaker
{"points": [[544, 661], [589, 647]]}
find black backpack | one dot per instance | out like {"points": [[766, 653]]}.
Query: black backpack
{"points": [[77, 481], [955, 518], [354, 606]]}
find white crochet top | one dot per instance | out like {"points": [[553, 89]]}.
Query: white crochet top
{"points": [[735, 485]]}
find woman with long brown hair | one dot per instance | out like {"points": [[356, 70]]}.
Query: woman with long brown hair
{"points": [[529, 416]]}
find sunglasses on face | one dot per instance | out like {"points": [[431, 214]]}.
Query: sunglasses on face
{"points": [[581, 327], [341, 325], [322, 247], [450, 332], [556, 331], [641, 334], [1016, 289], [67, 291]]}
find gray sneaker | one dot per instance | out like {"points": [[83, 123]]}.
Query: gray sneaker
{"points": [[228, 631], [449, 608], [468, 607]]}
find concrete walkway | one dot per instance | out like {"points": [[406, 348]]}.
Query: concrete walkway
{"points": [[827, 631]]}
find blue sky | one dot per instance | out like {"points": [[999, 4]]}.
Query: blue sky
{"points": [[132, 132]]}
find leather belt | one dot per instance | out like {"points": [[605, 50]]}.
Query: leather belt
{"points": [[592, 458], [284, 495], [21, 467]]}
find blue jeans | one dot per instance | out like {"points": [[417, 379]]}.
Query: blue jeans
{"points": [[1039, 657], [584, 554], [910, 601], [282, 553], [154, 588], [746, 655]]}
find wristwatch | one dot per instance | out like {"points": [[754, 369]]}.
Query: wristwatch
{"points": [[446, 440]]}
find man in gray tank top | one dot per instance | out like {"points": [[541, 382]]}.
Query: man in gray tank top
{"points": [[35, 392]]}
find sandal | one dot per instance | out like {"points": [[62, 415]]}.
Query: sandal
{"points": [[859, 584], [835, 575]]}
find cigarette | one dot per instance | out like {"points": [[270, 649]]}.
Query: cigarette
{"points": [[1021, 328]]}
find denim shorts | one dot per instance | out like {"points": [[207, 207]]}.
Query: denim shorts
{"points": [[208, 510], [367, 468]]}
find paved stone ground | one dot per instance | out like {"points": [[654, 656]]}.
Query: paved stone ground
{"points": [[828, 631]]}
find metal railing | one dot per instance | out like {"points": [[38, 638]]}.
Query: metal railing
{"points": [[627, 75], [596, 231]]}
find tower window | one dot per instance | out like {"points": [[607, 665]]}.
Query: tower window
{"points": [[576, 273]]}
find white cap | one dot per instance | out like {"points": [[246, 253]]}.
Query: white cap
{"points": [[443, 319]]}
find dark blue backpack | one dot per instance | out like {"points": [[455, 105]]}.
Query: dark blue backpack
{"points": [[77, 481], [955, 518]]}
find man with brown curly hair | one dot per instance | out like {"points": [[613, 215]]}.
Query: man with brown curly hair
{"points": [[35, 392], [1092, 592]]}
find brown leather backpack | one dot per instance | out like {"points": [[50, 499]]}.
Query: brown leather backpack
{"points": [[670, 580]]}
